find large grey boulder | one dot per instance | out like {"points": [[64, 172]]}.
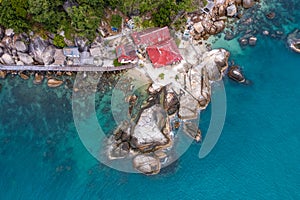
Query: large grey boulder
{"points": [[215, 61], [82, 44], [147, 164], [7, 59], [25, 58], [148, 130], [48, 55], [1, 52], [21, 46], [231, 10], [37, 47]]}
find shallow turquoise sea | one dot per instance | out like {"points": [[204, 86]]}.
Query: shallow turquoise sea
{"points": [[256, 157]]}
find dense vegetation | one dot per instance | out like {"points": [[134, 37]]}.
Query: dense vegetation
{"points": [[82, 17]]}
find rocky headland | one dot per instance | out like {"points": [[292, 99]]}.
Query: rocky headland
{"points": [[147, 137], [174, 98]]}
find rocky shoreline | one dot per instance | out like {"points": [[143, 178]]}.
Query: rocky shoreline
{"points": [[147, 137]]}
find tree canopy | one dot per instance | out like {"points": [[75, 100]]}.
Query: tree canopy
{"points": [[82, 17]]}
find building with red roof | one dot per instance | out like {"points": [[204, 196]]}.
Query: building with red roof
{"points": [[126, 53], [164, 53], [151, 36], [160, 46]]}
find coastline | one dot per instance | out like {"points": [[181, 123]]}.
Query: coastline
{"points": [[200, 64]]}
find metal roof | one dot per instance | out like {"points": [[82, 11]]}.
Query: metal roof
{"points": [[71, 52]]}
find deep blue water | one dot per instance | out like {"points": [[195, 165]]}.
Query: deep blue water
{"points": [[256, 157]]}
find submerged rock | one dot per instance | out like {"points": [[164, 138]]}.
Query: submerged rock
{"points": [[236, 74], [24, 76], [252, 41], [271, 15], [38, 78], [2, 74], [54, 83], [248, 3], [147, 164]]}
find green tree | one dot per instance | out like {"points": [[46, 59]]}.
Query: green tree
{"points": [[47, 13], [163, 15], [59, 41], [13, 14], [84, 20], [116, 21]]}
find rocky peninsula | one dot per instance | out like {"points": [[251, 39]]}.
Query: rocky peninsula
{"points": [[175, 95]]}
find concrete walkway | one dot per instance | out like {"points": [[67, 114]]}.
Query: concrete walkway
{"points": [[73, 68]]}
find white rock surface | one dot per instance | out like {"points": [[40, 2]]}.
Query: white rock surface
{"points": [[9, 32], [146, 164], [21, 46], [148, 128], [231, 10], [25, 58], [7, 59]]}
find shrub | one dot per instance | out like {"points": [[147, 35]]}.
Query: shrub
{"points": [[59, 41], [116, 21], [161, 76], [116, 63]]}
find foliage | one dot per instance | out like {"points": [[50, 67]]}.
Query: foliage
{"points": [[161, 76], [13, 14], [116, 21], [59, 41], [147, 24], [84, 20], [83, 17], [163, 16], [116, 63]]}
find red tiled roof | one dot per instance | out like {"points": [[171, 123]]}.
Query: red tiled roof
{"points": [[151, 36], [164, 53], [126, 52]]}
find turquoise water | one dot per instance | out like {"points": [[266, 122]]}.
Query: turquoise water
{"points": [[257, 156]]}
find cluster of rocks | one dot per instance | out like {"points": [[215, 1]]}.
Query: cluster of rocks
{"points": [[259, 20], [53, 79], [147, 137], [23, 49], [212, 20], [20, 49], [196, 78]]}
